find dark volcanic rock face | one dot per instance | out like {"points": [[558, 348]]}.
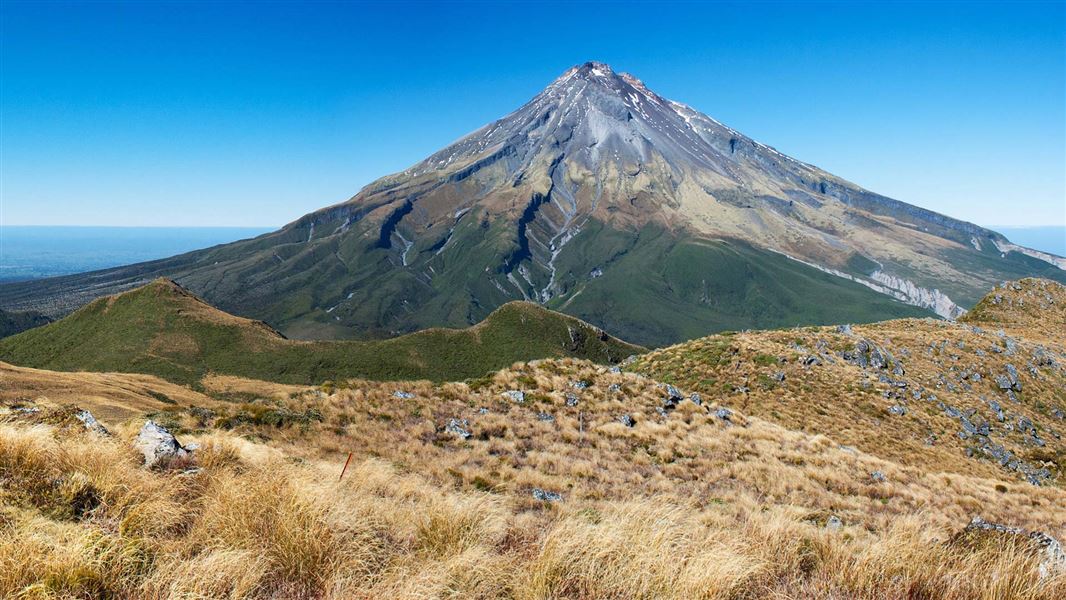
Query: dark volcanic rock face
{"points": [[600, 198]]}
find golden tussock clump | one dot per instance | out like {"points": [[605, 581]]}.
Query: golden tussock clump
{"points": [[81, 518]]}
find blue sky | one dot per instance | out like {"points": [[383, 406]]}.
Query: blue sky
{"points": [[256, 113]]}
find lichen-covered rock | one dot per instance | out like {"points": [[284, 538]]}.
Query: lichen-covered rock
{"points": [[91, 423], [459, 428], [158, 445], [515, 395], [546, 495], [1048, 549]]}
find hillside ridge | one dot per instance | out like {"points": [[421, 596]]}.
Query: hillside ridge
{"points": [[164, 329]]}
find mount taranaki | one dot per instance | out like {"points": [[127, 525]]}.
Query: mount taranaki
{"points": [[601, 199]]}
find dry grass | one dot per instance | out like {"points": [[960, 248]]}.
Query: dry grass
{"points": [[685, 504], [110, 396], [80, 518]]}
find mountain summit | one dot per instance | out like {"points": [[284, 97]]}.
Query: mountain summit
{"points": [[602, 199]]}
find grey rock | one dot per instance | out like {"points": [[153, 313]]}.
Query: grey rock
{"points": [[845, 329], [1012, 377], [157, 445], [545, 417], [833, 523], [546, 495], [1050, 551], [459, 428], [571, 399], [724, 414], [878, 477], [695, 398], [91, 424], [515, 395], [627, 420], [402, 395], [897, 410], [778, 376]]}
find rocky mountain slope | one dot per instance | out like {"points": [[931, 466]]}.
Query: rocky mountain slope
{"points": [[601, 199], [969, 397], [162, 329]]}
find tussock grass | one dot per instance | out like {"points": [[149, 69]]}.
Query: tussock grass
{"points": [[258, 522]]}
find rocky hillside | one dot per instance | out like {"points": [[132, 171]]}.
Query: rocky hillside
{"points": [[164, 330], [598, 198], [968, 398], [1036, 307]]}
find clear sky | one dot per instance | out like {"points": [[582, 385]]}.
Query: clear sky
{"points": [[167, 113]]}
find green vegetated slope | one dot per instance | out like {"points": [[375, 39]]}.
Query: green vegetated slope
{"points": [[162, 329], [661, 288], [12, 322]]}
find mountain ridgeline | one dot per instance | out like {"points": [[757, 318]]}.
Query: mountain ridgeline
{"points": [[601, 199], [164, 330]]}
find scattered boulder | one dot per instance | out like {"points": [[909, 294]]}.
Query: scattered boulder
{"points": [[545, 417], [724, 414], [898, 410], [546, 495], [878, 477], [833, 523], [402, 395], [1012, 378], [627, 420], [459, 428], [91, 423], [571, 399], [1050, 551], [158, 445], [515, 395]]}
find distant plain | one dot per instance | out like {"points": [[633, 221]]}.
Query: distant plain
{"points": [[32, 252]]}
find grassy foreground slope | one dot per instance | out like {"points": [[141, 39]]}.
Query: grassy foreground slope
{"points": [[162, 329], [460, 491]]}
